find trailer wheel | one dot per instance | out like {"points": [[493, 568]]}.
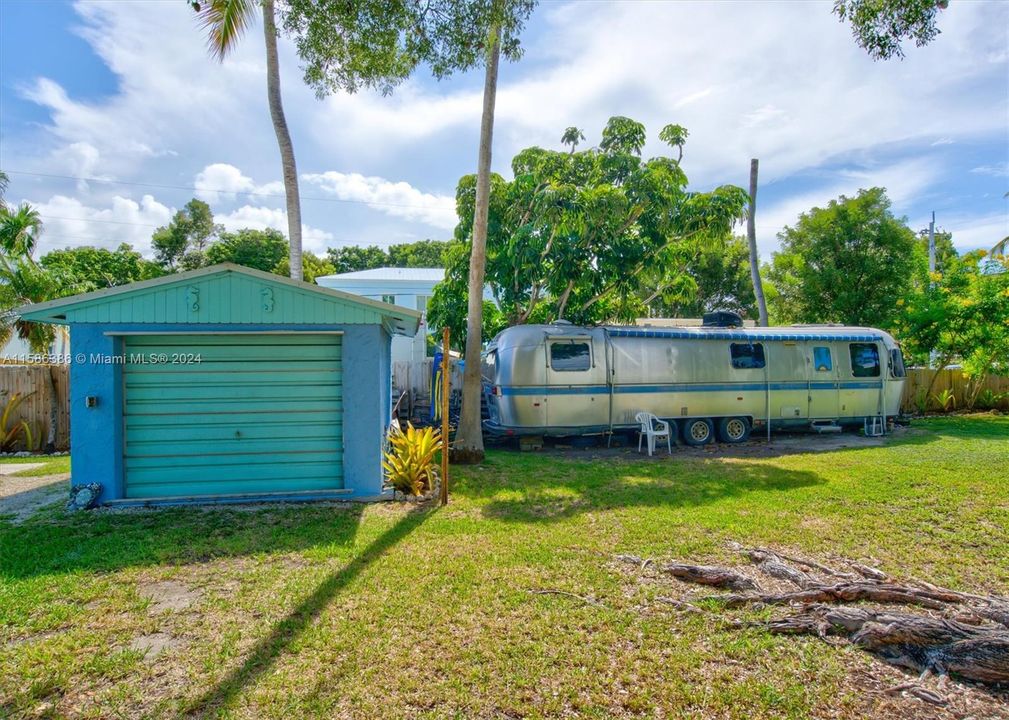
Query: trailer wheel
{"points": [[699, 431], [733, 430]]}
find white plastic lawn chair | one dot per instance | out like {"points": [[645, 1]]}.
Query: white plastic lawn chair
{"points": [[652, 428]]}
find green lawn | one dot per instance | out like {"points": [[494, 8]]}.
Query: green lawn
{"points": [[389, 611], [50, 465]]}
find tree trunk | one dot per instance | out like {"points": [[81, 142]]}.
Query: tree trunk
{"points": [[283, 139], [54, 409], [469, 437], [751, 235]]}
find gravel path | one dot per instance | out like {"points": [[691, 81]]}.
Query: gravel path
{"points": [[23, 496]]}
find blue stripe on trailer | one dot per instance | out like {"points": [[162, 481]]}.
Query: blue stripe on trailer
{"points": [[683, 387], [738, 335]]}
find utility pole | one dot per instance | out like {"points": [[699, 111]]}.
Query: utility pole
{"points": [[931, 245]]}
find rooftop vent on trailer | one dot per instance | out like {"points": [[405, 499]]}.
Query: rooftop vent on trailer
{"points": [[722, 318]]}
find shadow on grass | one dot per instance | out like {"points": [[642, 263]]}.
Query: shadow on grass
{"points": [[548, 489], [105, 541], [266, 652]]}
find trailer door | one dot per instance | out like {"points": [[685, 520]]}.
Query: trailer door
{"points": [[578, 397], [823, 379]]}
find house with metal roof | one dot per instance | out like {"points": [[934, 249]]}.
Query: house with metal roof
{"points": [[227, 384]]}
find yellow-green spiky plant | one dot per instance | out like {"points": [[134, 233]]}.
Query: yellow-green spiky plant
{"points": [[409, 464]]}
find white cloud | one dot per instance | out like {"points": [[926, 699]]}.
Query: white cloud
{"points": [[261, 218], [399, 199], [67, 222], [996, 170], [221, 181]]}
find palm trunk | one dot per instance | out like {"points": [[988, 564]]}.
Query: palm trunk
{"points": [[469, 438], [283, 139], [54, 408], [751, 235]]}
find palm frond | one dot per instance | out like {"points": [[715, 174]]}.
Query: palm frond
{"points": [[225, 22], [19, 230]]}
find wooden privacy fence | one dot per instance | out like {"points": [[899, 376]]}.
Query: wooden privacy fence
{"points": [[952, 379], [412, 380], [32, 381]]}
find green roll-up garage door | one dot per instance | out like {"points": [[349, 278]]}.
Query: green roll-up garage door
{"points": [[258, 413]]}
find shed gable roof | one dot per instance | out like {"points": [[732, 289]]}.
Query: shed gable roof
{"points": [[220, 294]]}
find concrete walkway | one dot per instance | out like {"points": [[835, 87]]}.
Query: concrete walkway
{"points": [[23, 496]]}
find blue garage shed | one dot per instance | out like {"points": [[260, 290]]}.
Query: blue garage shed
{"points": [[228, 384]]}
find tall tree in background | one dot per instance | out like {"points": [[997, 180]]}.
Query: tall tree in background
{"points": [[181, 244], [751, 237], [91, 268], [225, 21], [469, 435], [881, 26], [850, 262]]}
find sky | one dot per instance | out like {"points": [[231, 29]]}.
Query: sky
{"points": [[112, 115]]}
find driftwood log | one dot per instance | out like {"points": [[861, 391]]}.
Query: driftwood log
{"points": [[968, 638]]}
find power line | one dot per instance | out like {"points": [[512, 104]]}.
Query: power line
{"points": [[212, 190], [99, 220]]}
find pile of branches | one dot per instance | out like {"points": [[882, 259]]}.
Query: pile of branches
{"points": [[963, 634]]}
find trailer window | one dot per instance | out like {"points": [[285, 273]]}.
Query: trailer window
{"points": [[570, 357], [897, 363], [747, 356], [821, 359], [864, 360]]}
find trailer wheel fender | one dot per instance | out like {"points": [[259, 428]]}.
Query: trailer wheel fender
{"points": [[698, 431], [734, 430]]}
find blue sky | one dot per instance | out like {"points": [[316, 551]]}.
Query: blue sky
{"points": [[124, 92]]}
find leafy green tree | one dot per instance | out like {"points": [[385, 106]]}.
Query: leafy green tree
{"points": [[716, 277], [225, 21], [881, 26], [420, 254], [352, 258], [188, 233], [848, 262], [93, 268], [589, 235], [312, 266], [962, 316], [258, 249]]}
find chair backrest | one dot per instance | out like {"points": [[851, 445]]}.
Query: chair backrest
{"points": [[647, 420]]}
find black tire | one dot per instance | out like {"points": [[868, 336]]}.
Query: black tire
{"points": [[734, 430], [698, 431]]}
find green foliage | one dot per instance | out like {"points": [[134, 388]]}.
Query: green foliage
{"points": [[19, 229], [224, 22], [572, 136], [409, 463], [90, 268], [420, 254], [584, 235], [259, 249], [188, 233], [880, 26], [849, 262], [962, 316], [11, 433], [988, 399], [348, 46], [312, 266], [716, 276], [944, 401]]}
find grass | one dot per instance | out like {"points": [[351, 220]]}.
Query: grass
{"points": [[385, 611], [50, 465]]}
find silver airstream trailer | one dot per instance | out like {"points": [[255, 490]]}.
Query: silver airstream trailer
{"points": [[561, 380]]}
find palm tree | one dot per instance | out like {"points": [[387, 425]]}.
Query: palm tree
{"points": [[225, 21], [23, 282], [469, 437], [751, 236], [572, 136]]}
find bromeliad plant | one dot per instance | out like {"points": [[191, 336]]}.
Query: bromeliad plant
{"points": [[409, 463], [944, 400], [9, 434]]}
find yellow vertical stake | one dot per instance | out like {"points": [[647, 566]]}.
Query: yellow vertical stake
{"points": [[446, 387]]}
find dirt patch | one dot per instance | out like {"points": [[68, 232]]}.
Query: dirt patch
{"points": [[168, 595], [22, 497], [154, 644]]}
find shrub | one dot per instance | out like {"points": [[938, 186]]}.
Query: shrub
{"points": [[409, 463], [9, 433], [944, 401]]}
